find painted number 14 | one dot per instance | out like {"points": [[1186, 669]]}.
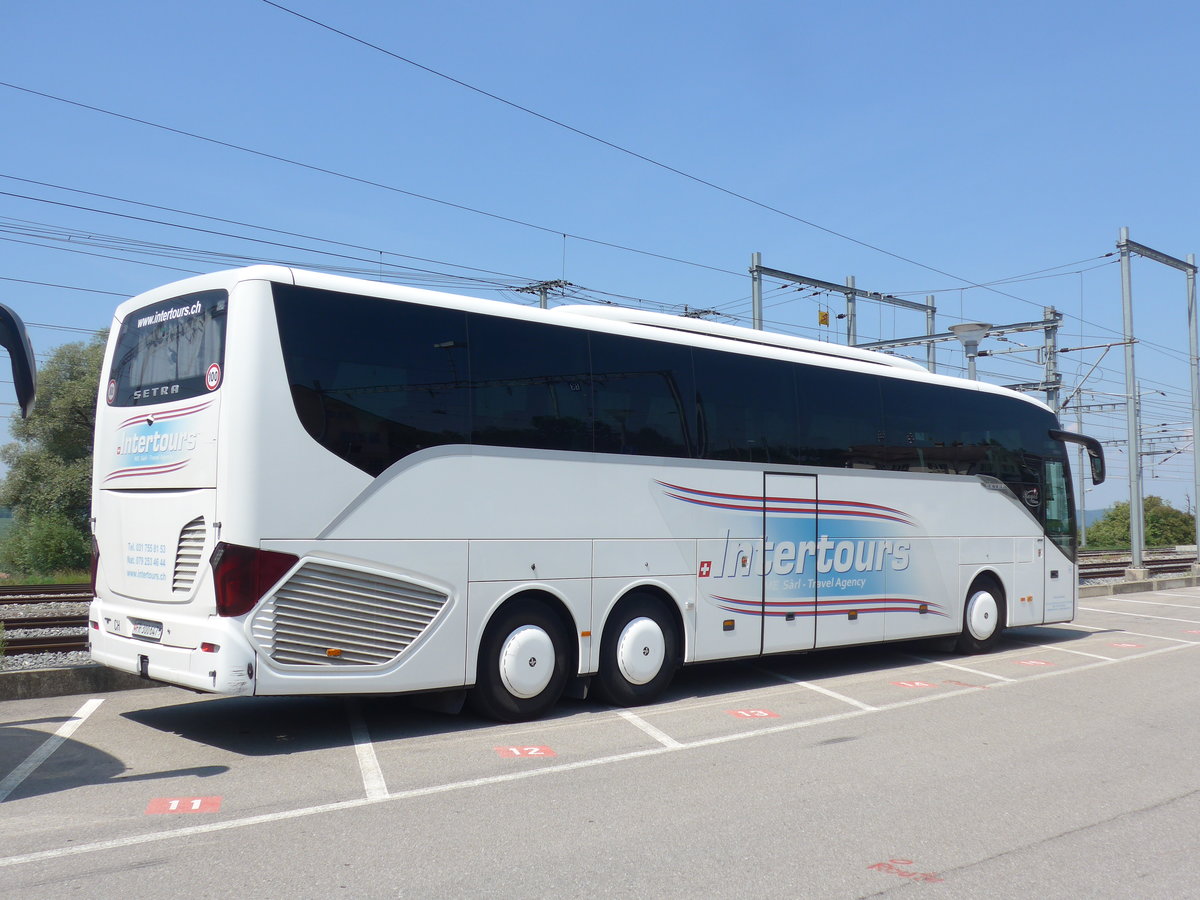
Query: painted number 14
{"points": [[510, 752]]}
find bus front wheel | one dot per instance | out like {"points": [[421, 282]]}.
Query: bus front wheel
{"points": [[983, 617], [522, 663], [639, 652]]}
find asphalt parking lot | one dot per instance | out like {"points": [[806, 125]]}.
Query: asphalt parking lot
{"points": [[1063, 764]]}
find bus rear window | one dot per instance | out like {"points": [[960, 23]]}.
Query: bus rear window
{"points": [[170, 351]]}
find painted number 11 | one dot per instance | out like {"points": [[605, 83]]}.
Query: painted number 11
{"points": [[162, 805]]}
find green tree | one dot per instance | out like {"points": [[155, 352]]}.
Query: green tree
{"points": [[48, 485], [1166, 526]]}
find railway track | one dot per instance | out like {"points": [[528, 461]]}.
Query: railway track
{"points": [[15, 594], [1110, 565], [46, 643], [45, 632]]}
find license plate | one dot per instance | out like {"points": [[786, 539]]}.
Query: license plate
{"points": [[149, 631]]}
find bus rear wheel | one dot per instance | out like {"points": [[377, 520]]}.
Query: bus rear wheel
{"points": [[983, 617], [639, 652], [522, 663]]}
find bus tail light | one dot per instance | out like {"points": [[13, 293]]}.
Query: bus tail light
{"points": [[242, 575]]}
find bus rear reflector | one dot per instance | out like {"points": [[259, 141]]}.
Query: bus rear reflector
{"points": [[95, 564], [242, 575]]}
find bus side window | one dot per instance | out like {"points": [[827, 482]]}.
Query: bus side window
{"points": [[530, 385], [639, 389], [374, 381], [747, 407], [840, 418]]}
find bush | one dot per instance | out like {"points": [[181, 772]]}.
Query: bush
{"points": [[1165, 526], [41, 544]]}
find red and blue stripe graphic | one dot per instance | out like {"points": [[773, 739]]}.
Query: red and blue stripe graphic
{"points": [[146, 470], [169, 414], [831, 607], [789, 506]]}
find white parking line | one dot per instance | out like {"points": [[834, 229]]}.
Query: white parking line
{"points": [[267, 818], [835, 695], [1157, 603], [1117, 612], [1069, 650], [1156, 637], [42, 753], [661, 736], [955, 666], [368, 764], [817, 688]]}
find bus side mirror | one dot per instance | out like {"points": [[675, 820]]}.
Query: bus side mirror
{"points": [[15, 340], [1094, 451]]}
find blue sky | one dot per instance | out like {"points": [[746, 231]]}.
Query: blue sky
{"points": [[921, 147]]}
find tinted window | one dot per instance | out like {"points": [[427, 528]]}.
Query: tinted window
{"points": [[931, 428], [170, 350], [529, 384], [374, 380], [840, 421], [1059, 505], [642, 393], [934, 428], [747, 407]]}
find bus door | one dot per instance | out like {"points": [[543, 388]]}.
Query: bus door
{"points": [[1027, 605], [790, 576], [1058, 517]]}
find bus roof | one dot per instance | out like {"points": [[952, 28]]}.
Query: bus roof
{"points": [[737, 333], [630, 321]]}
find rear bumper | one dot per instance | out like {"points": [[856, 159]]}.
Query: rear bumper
{"points": [[228, 670]]}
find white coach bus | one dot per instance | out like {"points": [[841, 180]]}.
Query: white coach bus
{"points": [[310, 484]]}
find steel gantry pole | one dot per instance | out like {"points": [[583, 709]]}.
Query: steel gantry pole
{"points": [[1127, 247], [1082, 482], [930, 322], [756, 290], [1194, 365], [1132, 428], [1051, 377], [851, 312]]}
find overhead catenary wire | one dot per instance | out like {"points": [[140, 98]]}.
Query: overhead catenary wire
{"points": [[968, 283], [257, 227], [565, 234], [208, 255], [369, 182], [633, 153], [75, 237]]}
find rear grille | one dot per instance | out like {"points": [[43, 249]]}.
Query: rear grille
{"points": [[187, 555], [329, 616]]}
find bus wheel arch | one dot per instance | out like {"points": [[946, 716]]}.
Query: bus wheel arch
{"points": [[640, 648], [984, 614], [526, 657]]}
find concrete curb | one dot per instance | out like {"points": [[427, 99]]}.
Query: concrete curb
{"points": [[33, 684], [1138, 587]]}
